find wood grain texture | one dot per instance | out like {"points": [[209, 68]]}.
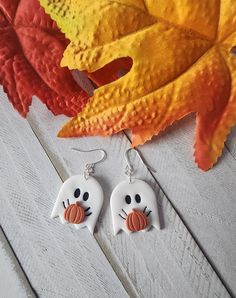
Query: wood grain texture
{"points": [[13, 282], [58, 261], [156, 264]]}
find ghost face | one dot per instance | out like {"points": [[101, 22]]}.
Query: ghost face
{"points": [[134, 207], [79, 202]]}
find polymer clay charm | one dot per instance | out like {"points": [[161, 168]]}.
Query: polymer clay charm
{"points": [[79, 202], [134, 204], [80, 199]]}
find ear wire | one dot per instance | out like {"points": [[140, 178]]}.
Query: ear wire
{"points": [[89, 168], [129, 168]]}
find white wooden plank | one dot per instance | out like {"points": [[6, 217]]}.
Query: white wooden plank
{"points": [[159, 264], [58, 261], [206, 201], [13, 282]]}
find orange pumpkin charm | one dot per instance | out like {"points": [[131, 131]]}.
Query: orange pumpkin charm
{"points": [[136, 221], [74, 213]]}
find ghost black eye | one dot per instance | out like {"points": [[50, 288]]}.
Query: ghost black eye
{"points": [[137, 198], [77, 193], [86, 196], [128, 199]]}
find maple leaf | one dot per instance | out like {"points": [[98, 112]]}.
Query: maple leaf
{"points": [[31, 47], [182, 63]]}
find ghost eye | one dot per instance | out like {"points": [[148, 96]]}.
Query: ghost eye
{"points": [[77, 193], [137, 198], [128, 199], [86, 196]]}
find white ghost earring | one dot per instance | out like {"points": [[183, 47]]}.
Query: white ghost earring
{"points": [[80, 198], [133, 203]]}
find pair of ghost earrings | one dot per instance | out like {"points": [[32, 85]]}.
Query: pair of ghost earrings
{"points": [[133, 202]]}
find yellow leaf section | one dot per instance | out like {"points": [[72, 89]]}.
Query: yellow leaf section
{"points": [[173, 52], [227, 19], [89, 23], [200, 16]]}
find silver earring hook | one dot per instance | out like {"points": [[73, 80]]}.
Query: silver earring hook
{"points": [[129, 168], [89, 168]]}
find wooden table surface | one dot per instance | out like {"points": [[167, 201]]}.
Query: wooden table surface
{"points": [[194, 255]]}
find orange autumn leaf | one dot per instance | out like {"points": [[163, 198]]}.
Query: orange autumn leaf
{"points": [[182, 62]]}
